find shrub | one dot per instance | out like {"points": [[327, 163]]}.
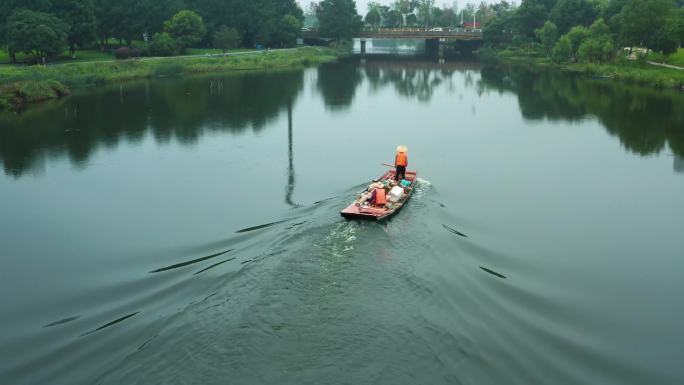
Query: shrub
{"points": [[186, 28], [562, 52], [226, 38], [122, 53], [136, 52], [163, 45]]}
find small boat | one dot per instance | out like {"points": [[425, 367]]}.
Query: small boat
{"points": [[359, 209]]}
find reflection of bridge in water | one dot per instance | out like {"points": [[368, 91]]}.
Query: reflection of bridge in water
{"points": [[435, 38], [678, 164]]}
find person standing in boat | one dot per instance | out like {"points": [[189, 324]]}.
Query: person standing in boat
{"points": [[400, 162]]}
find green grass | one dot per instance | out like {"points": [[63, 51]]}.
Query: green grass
{"points": [[89, 55], [212, 51], [632, 72], [47, 82], [81, 56], [19, 94], [97, 55], [676, 59]]}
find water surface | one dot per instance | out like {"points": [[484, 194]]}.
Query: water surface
{"points": [[187, 230]]}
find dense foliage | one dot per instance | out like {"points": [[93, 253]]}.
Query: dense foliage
{"points": [[338, 18], [37, 33], [226, 38], [426, 13], [78, 24], [586, 30], [186, 28]]}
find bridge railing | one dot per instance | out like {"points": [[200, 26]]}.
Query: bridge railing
{"points": [[418, 29], [406, 29], [410, 32]]}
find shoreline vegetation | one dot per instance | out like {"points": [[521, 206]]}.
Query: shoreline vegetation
{"points": [[638, 72], [621, 40], [21, 87]]}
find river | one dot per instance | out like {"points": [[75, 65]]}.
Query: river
{"points": [[187, 230]]}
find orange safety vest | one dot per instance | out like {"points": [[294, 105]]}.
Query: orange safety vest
{"points": [[401, 159], [380, 197]]}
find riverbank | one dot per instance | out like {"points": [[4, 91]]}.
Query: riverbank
{"points": [[21, 87], [631, 72]]}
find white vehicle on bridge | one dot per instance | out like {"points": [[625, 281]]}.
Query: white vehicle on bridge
{"points": [[437, 29]]}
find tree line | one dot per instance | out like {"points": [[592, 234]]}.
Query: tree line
{"points": [[45, 27], [564, 30], [588, 30], [426, 13]]}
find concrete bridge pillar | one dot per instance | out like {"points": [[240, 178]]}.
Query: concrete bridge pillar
{"points": [[435, 48], [363, 46], [432, 46]]}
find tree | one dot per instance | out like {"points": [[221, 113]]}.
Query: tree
{"points": [[80, 16], [612, 9], [593, 44], [531, 15], [675, 25], [338, 19], [394, 18], [568, 45], [155, 12], [499, 32], [186, 28], [127, 23], [405, 7], [36, 33], [447, 18], [373, 17], [640, 19], [569, 13], [105, 21], [287, 31], [411, 19], [548, 35], [226, 38], [562, 51], [576, 36], [8, 7], [163, 45], [596, 49], [425, 11], [663, 41]]}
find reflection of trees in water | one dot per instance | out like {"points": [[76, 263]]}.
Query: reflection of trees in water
{"points": [[415, 78], [337, 84], [679, 164], [412, 78], [645, 120], [418, 83], [181, 109]]}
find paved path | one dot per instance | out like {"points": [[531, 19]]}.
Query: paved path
{"points": [[665, 65]]}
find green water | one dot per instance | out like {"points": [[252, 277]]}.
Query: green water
{"points": [[187, 230]]}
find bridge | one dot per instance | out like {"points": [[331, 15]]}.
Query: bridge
{"points": [[434, 37]]}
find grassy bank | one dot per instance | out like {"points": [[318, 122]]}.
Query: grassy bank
{"points": [[633, 72], [676, 59], [21, 86]]}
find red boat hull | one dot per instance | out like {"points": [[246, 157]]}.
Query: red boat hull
{"points": [[355, 211]]}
